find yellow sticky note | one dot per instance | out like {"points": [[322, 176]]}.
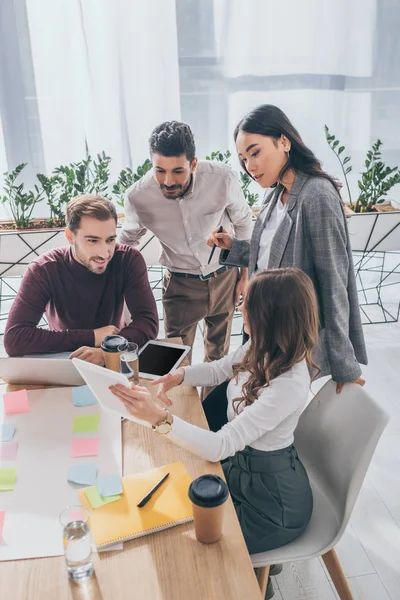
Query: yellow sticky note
{"points": [[92, 494], [8, 478]]}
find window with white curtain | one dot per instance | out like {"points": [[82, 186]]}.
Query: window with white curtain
{"points": [[334, 62], [103, 73]]}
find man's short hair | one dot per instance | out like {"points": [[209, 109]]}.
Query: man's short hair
{"points": [[173, 138], [89, 205]]}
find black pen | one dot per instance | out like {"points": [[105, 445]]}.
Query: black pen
{"points": [[220, 229], [151, 492]]}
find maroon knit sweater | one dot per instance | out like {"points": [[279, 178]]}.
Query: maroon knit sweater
{"points": [[77, 301]]}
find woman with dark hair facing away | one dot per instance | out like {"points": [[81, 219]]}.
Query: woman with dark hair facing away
{"points": [[268, 388], [301, 224]]}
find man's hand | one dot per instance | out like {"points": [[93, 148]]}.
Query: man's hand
{"points": [[102, 332], [222, 240], [241, 287], [92, 355], [339, 386]]}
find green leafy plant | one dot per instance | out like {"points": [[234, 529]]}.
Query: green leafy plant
{"points": [[19, 202], [127, 177], [375, 181], [245, 179], [88, 176], [51, 189], [220, 156]]}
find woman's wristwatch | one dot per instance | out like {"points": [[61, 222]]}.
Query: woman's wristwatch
{"points": [[165, 425]]}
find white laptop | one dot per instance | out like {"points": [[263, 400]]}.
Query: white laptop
{"points": [[40, 369]]}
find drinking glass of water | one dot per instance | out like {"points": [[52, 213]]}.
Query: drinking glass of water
{"points": [[77, 542], [129, 361]]}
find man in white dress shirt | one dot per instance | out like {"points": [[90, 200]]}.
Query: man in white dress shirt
{"points": [[180, 201]]}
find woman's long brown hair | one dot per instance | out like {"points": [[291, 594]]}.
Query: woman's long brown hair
{"points": [[282, 316]]}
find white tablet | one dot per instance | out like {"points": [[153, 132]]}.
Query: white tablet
{"points": [[159, 358], [40, 370], [99, 380]]}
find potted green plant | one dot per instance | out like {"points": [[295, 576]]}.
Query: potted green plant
{"points": [[375, 181], [374, 224], [24, 237], [127, 177]]}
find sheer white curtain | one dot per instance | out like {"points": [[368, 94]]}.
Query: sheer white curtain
{"points": [[268, 37], [306, 55], [75, 72], [106, 71]]}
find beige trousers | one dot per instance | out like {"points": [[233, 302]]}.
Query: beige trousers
{"points": [[187, 301]]}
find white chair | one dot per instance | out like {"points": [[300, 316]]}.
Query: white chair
{"points": [[336, 438]]}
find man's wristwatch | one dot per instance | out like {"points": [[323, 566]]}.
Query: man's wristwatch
{"points": [[165, 425]]}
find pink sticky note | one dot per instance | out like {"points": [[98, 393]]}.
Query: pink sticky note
{"points": [[16, 402], [8, 450], [84, 447], [2, 517]]}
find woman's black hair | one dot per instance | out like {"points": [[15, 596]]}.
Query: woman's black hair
{"points": [[270, 121]]}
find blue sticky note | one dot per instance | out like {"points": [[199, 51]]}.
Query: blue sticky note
{"points": [[7, 431], [109, 485], [82, 396], [82, 474]]}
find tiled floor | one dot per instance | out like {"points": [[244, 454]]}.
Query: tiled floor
{"points": [[370, 549]]}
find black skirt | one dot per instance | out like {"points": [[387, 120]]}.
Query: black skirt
{"points": [[272, 496]]}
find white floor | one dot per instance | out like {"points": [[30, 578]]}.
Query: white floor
{"points": [[370, 549]]}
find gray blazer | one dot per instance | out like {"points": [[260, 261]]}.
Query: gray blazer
{"points": [[313, 236]]}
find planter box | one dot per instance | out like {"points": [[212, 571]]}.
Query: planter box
{"points": [[375, 232], [20, 247], [375, 240]]}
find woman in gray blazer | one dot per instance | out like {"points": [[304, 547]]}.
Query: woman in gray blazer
{"points": [[301, 224]]}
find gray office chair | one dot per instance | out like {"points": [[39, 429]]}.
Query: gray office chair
{"points": [[336, 438]]}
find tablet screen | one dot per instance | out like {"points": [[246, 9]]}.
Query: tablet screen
{"points": [[158, 360]]}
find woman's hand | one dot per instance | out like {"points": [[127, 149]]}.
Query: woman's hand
{"points": [[167, 382], [339, 386], [221, 240], [139, 402]]}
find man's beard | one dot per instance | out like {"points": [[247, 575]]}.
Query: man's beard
{"points": [[87, 262], [178, 189]]}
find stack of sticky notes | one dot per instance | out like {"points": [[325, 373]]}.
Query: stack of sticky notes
{"points": [[101, 490], [107, 489], [14, 403]]}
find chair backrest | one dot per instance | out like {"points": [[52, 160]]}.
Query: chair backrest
{"points": [[336, 438]]}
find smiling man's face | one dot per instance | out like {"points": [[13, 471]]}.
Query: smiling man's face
{"points": [[173, 174]]}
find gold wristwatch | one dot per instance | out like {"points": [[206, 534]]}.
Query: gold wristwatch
{"points": [[164, 426]]}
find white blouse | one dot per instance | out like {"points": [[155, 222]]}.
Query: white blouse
{"points": [[267, 235], [267, 424]]}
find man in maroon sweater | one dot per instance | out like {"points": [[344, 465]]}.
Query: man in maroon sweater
{"points": [[81, 289]]}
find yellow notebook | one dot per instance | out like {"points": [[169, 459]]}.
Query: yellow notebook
{"points": [[123, 520]]}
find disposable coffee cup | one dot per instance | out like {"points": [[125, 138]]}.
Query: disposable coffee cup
{"points": [[113, 346], [208, 494]]}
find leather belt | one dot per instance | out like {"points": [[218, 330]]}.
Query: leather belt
{"points": [[201, 277]]}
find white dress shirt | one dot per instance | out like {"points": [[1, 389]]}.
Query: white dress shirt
{"points": [[271, 225], [267, 424], [183, 225]]}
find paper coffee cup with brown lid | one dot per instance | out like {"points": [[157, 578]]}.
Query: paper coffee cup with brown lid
{"points": [[113, 346], [208, 494]]}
